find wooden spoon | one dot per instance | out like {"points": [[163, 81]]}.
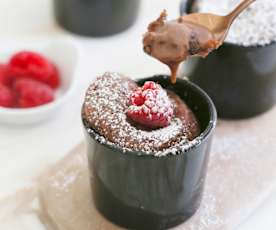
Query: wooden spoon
{"points": [[219, 25]]}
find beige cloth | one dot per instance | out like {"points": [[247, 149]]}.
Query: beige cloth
{"points": [[241, 175]]}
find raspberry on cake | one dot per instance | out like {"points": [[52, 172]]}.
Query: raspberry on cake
{"points": [[112, 99], [150, 106]]}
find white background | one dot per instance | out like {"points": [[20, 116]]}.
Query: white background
{"points": [[26, 151]]}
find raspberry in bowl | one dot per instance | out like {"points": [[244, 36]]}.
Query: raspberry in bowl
{"points": [[148, 146], [35, 83]]}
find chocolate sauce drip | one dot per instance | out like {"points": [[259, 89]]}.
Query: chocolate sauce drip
{"points": [[172, 42]]}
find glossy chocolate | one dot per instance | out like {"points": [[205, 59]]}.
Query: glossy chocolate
{"points": [[147, 192], [172, 42]]}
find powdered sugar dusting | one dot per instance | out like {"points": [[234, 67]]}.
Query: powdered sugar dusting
{"points": [[150, 106], [105, 107], [255, 26]]}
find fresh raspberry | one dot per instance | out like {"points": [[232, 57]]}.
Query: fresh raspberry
{"points": [[5, 79], [31, 93], [54, 80], [26, 64], [149, 85], [150, 106], [6, 96]]}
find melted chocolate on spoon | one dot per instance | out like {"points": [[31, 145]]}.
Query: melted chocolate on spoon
{"points": [[172, 42], [195, 34]]}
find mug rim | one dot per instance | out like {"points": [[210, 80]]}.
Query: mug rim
{"points": [[141, 154]]}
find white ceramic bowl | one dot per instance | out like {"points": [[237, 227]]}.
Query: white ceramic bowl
{"points": [[65, 54]]}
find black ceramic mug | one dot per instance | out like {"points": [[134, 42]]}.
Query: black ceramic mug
{"points": [[140, 191], [96, 17], [240, 80]]}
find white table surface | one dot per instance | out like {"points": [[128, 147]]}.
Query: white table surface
{"points": [[26, 151]]}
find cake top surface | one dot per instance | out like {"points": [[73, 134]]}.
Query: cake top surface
{"points": [[255, 26], [105, 110]]}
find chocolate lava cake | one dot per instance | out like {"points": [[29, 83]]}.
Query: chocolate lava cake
{"points": [[145, 118]]}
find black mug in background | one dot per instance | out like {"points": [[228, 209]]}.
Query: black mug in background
{"points": [[240, 80], [96, 17]]}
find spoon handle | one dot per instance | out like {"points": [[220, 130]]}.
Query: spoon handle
{"points": [[240, 8]]}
